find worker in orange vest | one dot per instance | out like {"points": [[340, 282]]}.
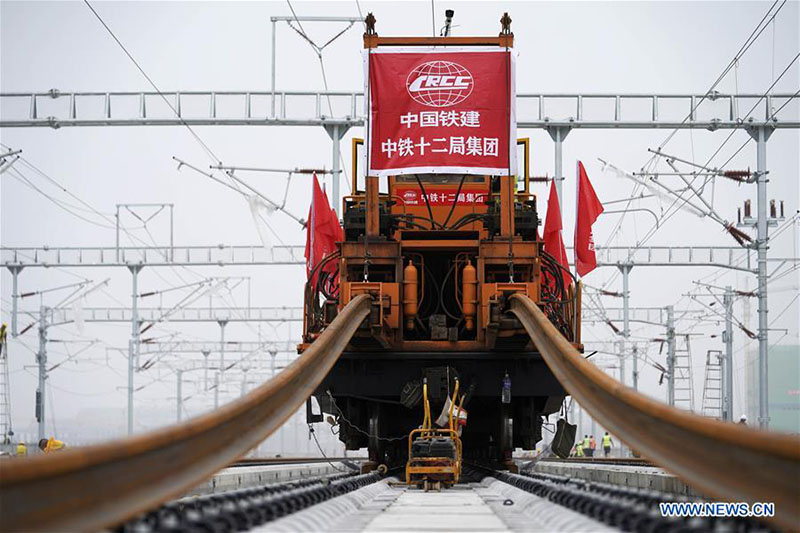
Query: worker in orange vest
{"points": [[592, 445]]}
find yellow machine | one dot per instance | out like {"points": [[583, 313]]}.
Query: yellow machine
{"points": [[434, 454]]}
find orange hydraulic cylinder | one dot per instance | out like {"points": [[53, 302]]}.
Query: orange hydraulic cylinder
{"points": [[410, 299], [469, 290]]}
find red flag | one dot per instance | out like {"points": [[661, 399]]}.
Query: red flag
{"points": [[322, 230], [587, 211], [338, 232], [553, 241]]}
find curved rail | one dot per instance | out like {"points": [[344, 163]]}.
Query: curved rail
{"points": [[726, 461], [99, 486]]}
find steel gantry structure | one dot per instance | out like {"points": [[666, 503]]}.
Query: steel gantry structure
{"points": [[59, 316], [556, 113]]}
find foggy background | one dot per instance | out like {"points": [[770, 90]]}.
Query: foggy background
{"points": [[568, 47]]}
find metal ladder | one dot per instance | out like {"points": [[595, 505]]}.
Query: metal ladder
{"points": [[684, 385], [5, 392], [712, 386]]}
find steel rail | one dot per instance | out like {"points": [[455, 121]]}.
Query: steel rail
{"points": [[87, 489], [277, 461], [721, 460]]}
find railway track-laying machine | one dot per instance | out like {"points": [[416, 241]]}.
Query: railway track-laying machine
{"points": [[440, 249]]}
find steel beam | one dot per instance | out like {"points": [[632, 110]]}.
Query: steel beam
{"points": [[727, 367], [152, 256], [626, 330], [670, 355], [761, 135], [200, 347], [558, 133], [133, 346], [41, 360], [15, 270], [735, 258], [64, 315], [302, 108]]}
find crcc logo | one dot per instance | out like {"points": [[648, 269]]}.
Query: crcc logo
{"points": [[439, 84]]}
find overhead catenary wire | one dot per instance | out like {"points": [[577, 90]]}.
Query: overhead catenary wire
{"points": [[88, 208], [674, 205], [200, 141], [754, 35], [318, 50], [680, 200], [209, 152]]}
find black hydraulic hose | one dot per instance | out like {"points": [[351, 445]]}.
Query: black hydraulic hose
{"points": [[412, 217], [409, 220], [432, 280], [427, 202], [455, 202], [559, 265], [441, 293], [466, 219]]}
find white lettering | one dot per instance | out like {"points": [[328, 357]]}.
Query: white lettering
{"points": [[430, 81]]}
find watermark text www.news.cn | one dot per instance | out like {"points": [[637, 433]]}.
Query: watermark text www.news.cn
{"points": [[718, 509]]}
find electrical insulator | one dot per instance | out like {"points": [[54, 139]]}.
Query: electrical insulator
{"points": [[772, 212], [737, 175], [747, 209]]}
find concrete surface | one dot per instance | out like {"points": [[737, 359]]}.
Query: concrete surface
{"points": [[642, 477], [240, 477]]}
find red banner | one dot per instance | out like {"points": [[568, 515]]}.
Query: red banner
{"points": [[413, 196], [440, 111]]}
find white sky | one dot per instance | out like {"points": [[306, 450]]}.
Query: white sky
{"points": [[588, 47]]}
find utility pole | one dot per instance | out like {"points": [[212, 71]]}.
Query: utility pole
{"points": [[15, 270], [336, 132], [335, 137], [244, 382], [635, 367], [133, 345], [41, 359], [621, 351], [558, 134], [216, 390], [760, 134], [671, 355], [222, 324], [179, 403], [205, 353], [625, 268], [727, 362]]}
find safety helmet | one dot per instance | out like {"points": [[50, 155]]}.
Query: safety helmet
{"points": [[743, 417]]}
